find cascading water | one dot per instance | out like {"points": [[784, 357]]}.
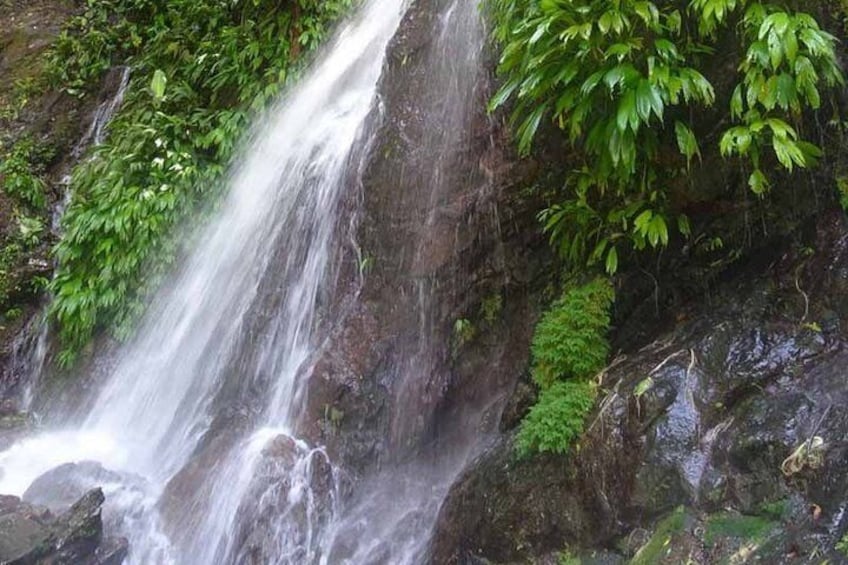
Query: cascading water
{"points": [[392, 514], [198, 420]]}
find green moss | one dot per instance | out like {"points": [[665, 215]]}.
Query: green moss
{"points": [[738, 526], [491, 308], [776, 510], [842, 188], [567, 558], [653, 551]]}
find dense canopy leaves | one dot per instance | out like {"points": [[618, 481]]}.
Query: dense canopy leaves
{"points": [[622, 77]]}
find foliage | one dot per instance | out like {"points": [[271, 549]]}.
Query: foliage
{"points": [[788, 57], [842, 189], [557, 419], [198, 69], [570, 340], [566, 558], [569, 347], [463, 333], [13, 251], [842, 545], [491, 308], [622, 78], [20, 171]]}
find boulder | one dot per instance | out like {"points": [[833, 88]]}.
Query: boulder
{"points": [[59, 488], [31, 534]]}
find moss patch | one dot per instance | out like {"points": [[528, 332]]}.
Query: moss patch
{"points": [[737, 526], [661, 542]]}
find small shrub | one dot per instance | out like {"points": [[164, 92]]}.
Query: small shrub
{"points": [[570, 340], [20, 168], [557, 419]]}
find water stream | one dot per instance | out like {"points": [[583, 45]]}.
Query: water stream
{"points": [[196, 427]]}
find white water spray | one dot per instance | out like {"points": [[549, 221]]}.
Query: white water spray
{"points": [[278, 223]]}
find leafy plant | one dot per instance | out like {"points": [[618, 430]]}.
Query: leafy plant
{"points": [[199, 68], [842, 188], [570, 340], [569, 347], [20, 170], [788, 57], [842, 545], [557, 419], [620, 78]]}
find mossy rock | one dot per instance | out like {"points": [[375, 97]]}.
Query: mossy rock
{"points": [[668, 543]]}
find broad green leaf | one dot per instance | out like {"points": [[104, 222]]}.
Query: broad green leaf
{"points": [[612, 261], [758, 182], [686, 142], [644, 386], [157, 85]]}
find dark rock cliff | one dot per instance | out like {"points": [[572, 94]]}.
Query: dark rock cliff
{"points": [[447, 268], [735, 412]]}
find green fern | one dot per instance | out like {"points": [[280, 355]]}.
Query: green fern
{"points": [[570, 340], [557, 419]]}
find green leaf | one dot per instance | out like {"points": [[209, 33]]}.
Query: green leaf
{"points": [[686, 142], [758, 182], [157, 85], [612, 261], [644, 386], [683, 225]]}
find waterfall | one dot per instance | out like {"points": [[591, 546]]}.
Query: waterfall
{"points": [[198, 420]]}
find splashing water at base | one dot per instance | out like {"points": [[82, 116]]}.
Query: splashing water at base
{"points": [[276, 229]]}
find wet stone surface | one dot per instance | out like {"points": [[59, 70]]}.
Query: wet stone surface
{"points": [[743, 413]]}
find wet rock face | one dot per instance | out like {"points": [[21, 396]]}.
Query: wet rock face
{"points": [[442, 233], [742, 412], [32, 534], [292, 496]]}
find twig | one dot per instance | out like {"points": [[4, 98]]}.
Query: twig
{"points": [[804, 294], [666, 360]]}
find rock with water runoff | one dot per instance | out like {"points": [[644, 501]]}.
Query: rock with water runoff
{"points": [[291, 498], [724, 439], [32, 534], [59, 488]]}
